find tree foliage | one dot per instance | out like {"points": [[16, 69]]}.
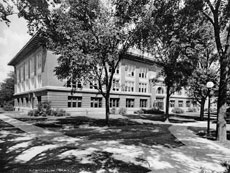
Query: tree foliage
{"points": [[90, 36], [6, 9], [7, 89], [207, 68], [164, 36], [218, 15]]}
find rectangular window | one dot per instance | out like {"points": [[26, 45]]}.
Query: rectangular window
{"points": [[143, 72], [74, 101], [96, 102], [35, 65], [172, 103], [73, 84], [114, 102], [39, 81], [143, 87], [180, 103], [26, 70], [32, 66], [28, 66], [18, 75], [93, 85], [188, 103], [116, 85], [39, 60], [129, 103], [130, 70], [143, 103], [129, 86]]}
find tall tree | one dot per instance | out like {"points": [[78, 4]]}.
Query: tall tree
{"points": [[207, 68], [161, 34], [90, 36], [7, 89], [217, 13]]}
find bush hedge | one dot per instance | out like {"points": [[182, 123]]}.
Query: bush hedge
{"points": [[177, 110], [44, 109]]}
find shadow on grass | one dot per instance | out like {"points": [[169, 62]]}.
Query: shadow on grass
{"points": [[50, 160], [127, 131], [124, 131], [202, 132]]}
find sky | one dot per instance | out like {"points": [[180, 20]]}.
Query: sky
{"points": [[12, 39]]}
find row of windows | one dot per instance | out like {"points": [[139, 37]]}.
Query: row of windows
{"points": [[129, 85], [95, 102], [29, 68], [130, 71], [160, 90], [180, 103]]}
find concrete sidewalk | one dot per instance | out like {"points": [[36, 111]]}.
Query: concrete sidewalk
{"points": [[196, 153]]}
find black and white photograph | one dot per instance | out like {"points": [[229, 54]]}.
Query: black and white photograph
{"points": [[114, 86]]}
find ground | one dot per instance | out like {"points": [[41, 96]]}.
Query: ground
{"points": [[81, 144]]}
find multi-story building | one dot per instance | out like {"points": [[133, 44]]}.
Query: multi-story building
{"points": [[132, 84]]}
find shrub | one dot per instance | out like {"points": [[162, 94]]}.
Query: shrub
{"points": [[177, 110], [139, 112], [113, 110], [122, 111], [44, 109], [191, 110], [8, 107], [153, 111], [61, 113]]}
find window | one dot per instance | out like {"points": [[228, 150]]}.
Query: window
{"points": [[188, 103], [32, 66], [18, 76], [160, 90], [143, 103], [129, 69], [96, 102], [116, 85], [72, 84], [39, 60], [26, 70], [74, 101], [143, 87], [129, 103], [35, 65], [27, 101], [143, 73], [93, 85], [172, 103], [129, 86], [180, 103], [39, 81], [22, 73], [114, 102], [116, 70]]}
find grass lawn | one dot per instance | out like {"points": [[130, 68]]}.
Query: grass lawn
{"points": [[202, 132], [118, 146]]}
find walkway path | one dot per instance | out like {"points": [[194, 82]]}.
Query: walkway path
{"points": [[196, 153]]}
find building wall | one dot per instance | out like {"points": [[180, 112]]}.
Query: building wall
{"points": [[36, 82]]}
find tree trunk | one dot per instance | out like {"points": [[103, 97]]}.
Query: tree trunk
{"points": [[202, 109], [222, 98], [167, 102], [107, 112]]}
